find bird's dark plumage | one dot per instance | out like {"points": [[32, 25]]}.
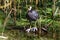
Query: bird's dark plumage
{"points": [[32, 15]]}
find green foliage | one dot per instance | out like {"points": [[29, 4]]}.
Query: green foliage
{"points": [[1, 25], [48, 10], [58, 4], [22, 22]]}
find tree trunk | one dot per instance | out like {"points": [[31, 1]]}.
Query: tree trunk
{"points": [[36, 2], [30, 1]]}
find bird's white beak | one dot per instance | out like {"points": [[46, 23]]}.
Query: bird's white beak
{"points": [[30, 8]]}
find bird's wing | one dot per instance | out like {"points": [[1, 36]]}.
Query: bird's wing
{"points": [[35, 14]]}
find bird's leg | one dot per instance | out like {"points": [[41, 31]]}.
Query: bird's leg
{"points": [[35, 23], [38, 28], [35, 26], [30, 25]]}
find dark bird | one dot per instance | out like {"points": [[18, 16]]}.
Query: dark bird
{"points": [[32, 15]]}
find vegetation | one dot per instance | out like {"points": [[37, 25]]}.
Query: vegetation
{"points": [[49, 13]]}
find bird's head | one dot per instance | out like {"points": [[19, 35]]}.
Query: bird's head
{"points": [[30, 8]]}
